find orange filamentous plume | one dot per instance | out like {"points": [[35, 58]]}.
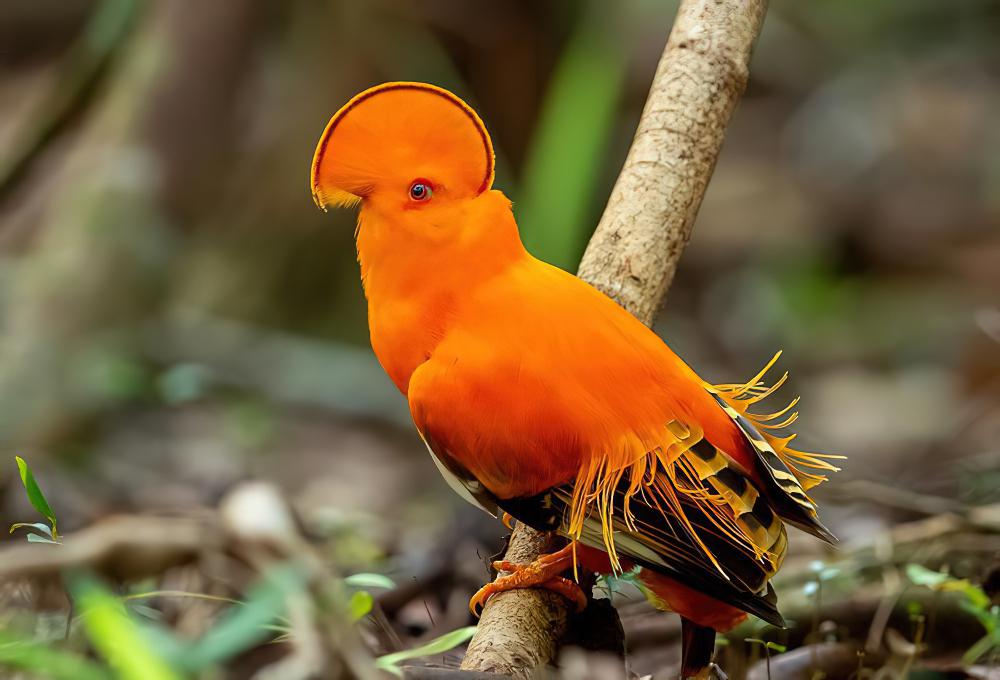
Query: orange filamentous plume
{"points": [[742, 396]]}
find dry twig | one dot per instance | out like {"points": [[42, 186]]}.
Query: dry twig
{"points": [[124, 547]]}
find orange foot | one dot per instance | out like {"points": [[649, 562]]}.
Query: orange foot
{"points": [[543, 573], [508, 520]]}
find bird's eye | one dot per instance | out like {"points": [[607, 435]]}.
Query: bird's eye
{"points": [[420, 191]]}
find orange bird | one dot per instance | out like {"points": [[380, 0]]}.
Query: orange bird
{"points": [[541, 398]]}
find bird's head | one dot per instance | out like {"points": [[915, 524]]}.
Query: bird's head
{"points": [[401, 147]]}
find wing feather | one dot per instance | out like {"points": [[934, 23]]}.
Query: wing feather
{"points": [[651, 524], [663, 542], [781, 484]]}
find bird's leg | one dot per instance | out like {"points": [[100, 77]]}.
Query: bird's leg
{"points": [[508, 520], [543, 572], [696, 653]]}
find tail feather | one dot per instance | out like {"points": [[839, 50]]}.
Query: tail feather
{"points": [[786, 472]]}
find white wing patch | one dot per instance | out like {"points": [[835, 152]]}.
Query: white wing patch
{"points": [[457, 485]]}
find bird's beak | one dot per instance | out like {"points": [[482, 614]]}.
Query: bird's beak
{"points": [[330, 187], [338, 198]]}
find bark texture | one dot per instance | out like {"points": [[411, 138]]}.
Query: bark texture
{"points": [[633, 255], [519, 630], [701, 76]]}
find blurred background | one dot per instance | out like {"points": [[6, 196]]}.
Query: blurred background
{"points": [[177, 316]]}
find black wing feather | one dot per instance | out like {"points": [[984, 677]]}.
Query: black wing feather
{"points": [[780, 484], [663, 544]]}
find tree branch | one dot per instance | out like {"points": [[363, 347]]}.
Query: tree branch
{"points": [[634, 253]]}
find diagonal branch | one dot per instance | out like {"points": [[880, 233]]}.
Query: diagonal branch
{"points": [[635, 250], [634, 253]]}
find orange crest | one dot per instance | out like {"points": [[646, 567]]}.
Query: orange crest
{"points": [[398, 132]]}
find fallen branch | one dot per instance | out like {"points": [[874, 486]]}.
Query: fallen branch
{"points": [[124, 547], [634, 253]]}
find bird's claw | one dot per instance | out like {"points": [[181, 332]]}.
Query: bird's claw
{"points": [[557, 584], [542, 573]]}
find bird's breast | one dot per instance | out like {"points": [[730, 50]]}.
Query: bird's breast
{"points": [[404, 333]]}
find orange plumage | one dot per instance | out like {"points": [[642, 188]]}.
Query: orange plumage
{"points": [[540, 396]]}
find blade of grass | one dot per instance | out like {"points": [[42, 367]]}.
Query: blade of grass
{"points": [[180, 593], [438, 645], [247, 624], [114, 635]]}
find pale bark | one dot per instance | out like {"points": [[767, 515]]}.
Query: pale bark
{"points": [[635, 250], [520, 629], [634, 253]]}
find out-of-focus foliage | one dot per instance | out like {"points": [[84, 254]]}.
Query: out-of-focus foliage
{"points": [[34, 656], [439, 645], [976, 602], [115, 637], [564, 164], [177, 316]]}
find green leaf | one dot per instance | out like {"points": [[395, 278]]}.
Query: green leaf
{"points": [[35, 495], [35, 538], [923, 576], [978, 650], [438, 645], [369, 581], [42, 660], [768, 644], [115, 636], [394, 670], [989, 620], [977, 596], [360, 604], [40, 526]]}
